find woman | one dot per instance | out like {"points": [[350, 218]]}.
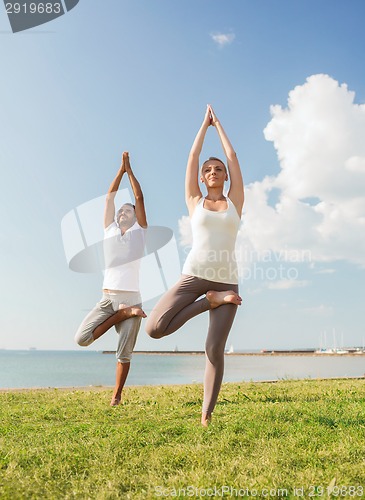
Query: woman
{"points": [[210, 268]]}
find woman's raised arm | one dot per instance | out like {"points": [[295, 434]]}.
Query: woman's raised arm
{"points": [[236, 190], [192, 190]]}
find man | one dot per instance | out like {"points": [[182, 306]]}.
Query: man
{"points": [[120, 306]]}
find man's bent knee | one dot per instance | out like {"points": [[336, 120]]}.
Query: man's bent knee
{"points": [[83, 339]]}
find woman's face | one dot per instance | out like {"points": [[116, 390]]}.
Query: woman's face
{"points": [[213, 174]]}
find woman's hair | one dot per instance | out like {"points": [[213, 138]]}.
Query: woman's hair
{"points": [[213, 158]]}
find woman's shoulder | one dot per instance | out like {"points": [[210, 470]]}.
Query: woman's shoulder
{"points": [[232, 206], [199, 203], [194, 205]]}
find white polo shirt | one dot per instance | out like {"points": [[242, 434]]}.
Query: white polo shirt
{"points": [[122, 255]]}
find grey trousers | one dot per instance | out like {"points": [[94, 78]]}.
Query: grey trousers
{"points": [[180, 304], [127, 330]]}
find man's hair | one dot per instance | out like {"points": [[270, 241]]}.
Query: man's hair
{"points": [[214, 158], [118, 213], [130, 204]]}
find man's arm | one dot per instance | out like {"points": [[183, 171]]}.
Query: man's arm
{"points": [[138, 195], [109, 211]]}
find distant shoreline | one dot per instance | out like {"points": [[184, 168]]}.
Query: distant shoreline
{"points": [[265, 353]]}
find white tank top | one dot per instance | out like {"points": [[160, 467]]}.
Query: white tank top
{"points": [[212, 256]]}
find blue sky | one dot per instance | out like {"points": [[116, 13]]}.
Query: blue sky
{"points": [[136, 76]]}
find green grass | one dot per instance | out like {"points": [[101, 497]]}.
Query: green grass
{"points": [[290, 434]]}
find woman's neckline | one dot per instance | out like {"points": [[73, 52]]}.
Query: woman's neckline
{"points": [[216, 211]]}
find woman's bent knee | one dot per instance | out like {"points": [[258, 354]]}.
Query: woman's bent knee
{"points": [[154, 333], [154, 328]]}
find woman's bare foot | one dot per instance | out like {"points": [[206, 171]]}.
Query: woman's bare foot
{"points": [[130, 311], [206, 419], [217, 299]]}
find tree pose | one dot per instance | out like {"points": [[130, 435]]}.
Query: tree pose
{"points": [[210, 268], [120, 305]]}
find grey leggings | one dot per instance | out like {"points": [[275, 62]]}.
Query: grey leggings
{"points": [[179, 305]]}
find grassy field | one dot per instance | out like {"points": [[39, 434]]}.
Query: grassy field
{"points": [[287, 439]]}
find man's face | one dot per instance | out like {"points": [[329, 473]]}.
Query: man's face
{"points": [[126, 216]]}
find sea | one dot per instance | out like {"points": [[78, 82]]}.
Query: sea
{"points": [[57, 369]]}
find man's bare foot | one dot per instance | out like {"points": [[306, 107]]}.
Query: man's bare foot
{"points": [[115, 400], [217, 299], [206, 419], [130, 311]]}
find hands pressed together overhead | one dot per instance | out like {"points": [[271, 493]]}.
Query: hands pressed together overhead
{"points": [[125, 165], [210, 117]]}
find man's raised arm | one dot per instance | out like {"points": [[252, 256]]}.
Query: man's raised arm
{"points": [[109, 211], [138, 194]]}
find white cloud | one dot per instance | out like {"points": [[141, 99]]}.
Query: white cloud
{"points": [[356, 164], [321, 310], [320, 144], [186, 236], [286, 284], [326, 271], [320, 212], [222, 39]]}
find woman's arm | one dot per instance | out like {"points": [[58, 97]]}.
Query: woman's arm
{"points": [[236, 190], [109, 211], [192, 190], [138, 195]]}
